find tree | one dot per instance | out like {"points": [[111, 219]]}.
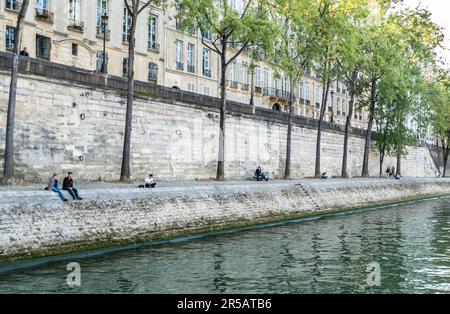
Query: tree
{"points": [[227, 25], [8, 167], [441, 115], [294, 52], [349, 59], [134, 8], [329, 26]]}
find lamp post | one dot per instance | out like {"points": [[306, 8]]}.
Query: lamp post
{"points": [[104, 24], [332, 109]]}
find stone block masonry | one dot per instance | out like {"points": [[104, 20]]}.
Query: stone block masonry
{"points": [[37, 223], [68, 119]]}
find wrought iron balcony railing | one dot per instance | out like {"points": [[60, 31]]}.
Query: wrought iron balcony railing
{"points": [[179, 65], [153, 46], [207, 72], [76, 25], [44, 15], [258, 89], [101, 32], [245, 87], [191, 68]]}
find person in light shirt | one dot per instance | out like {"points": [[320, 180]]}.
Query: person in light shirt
{"points": [[149, 182]]}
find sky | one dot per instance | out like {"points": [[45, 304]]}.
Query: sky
{"points": [[440, 10]]}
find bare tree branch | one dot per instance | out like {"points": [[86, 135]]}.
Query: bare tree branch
{"points": [[237, 54]]}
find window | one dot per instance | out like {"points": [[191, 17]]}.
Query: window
{"points": [[10, 37], [206, 65], [206, 90], [207, 34], [244, 73], [125, 67], [191, 87], [43, 47], [152, 25], [100, 62], [179, 55], [102, 9], [74, 10], [191, 58], [126, 26], [318, 96], [41, 5], [152, 71], [74, 50], [266, 77], [306, 90], [258, 76], [13, 5]]}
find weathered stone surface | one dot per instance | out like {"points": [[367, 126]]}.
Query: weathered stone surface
{"points": [[36, 220], [67, 125]]}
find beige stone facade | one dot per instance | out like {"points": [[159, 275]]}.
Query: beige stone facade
{"points": [[70, 32]]}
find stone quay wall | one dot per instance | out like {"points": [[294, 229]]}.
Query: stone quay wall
{"points": [[68, 119], [36, 223]]}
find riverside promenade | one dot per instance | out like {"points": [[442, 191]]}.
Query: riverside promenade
{"points": [[35, 222]]}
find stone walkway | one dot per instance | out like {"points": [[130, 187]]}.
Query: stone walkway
{"points": [[167, 184]]}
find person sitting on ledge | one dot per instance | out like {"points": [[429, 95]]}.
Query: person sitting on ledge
{"points": [[68, 186], [324, 175], [149, 182], [397, 177], [53, 186], [259, 174]]}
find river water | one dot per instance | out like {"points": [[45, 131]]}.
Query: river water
{"points": [[410, 243]]}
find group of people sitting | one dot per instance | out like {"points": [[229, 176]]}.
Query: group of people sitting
{"points": [[53, 185], [390, 171]]}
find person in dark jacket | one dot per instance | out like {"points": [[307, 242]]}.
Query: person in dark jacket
{"points": [[259, 174], [68, 186], [24, 52], [53, 186]]}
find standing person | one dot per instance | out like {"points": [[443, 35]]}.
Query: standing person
{"points": [[24, 52], [68, 186], [388, 171], [53, 186]]}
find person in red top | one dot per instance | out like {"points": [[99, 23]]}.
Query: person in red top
{"points": [[68, 186]]}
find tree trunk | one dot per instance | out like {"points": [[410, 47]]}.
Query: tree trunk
{"points": [[325, 89], [348, 122], [8, 167], [446, 151], [252, 92], [382, 152], [125, 174], [220, 176], [287, 170], [365, 168], [399, 165]]}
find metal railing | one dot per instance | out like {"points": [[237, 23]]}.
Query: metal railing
{"points": [[245, 87], [207, 72], [191, 68], [103, 32], [44, 15], [76, 25], [234, 84], [153, 46], [275, 92], [152, 76], [179, 65], [258, 89]]}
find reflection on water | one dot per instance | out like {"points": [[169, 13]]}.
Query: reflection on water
{"points": [[409, 242]]}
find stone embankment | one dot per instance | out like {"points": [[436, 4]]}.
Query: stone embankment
{"points": [[34, 222]]}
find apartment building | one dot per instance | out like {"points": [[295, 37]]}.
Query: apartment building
{"points": [[75, 33]]}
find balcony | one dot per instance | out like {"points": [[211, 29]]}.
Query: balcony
{"points": [[153, 76], [179, 65], [258, 89], [76, 25], [153, 46], [207, 72], [44, 15], [234, 84], [103, 33], [275, 92], [330, 109], [191, 68], [13, 5], [245, 87], [317, 105]]}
